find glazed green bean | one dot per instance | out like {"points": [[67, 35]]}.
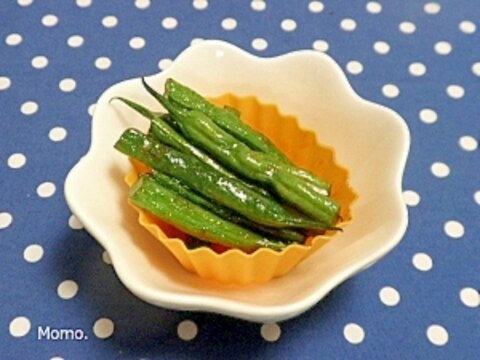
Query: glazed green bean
{"points": [[167, 135], [229, 192], [282, 234], [231, 122], [284, 178], [227, 120], [194, 220]]}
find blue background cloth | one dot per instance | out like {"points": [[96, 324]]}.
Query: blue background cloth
{"points": [[420, 301]]}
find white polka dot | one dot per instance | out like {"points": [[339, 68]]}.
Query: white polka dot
{"points": [[67, 289], [142, 4], [67, 85], [106, 258], [428, 116], [258, 5], [75, 41], [374, 7], [49, 20], [315, 7], [353, 333], [422, 262], [454, 229], [91, 109], [137, 42], [24, 2], [348, 24], [20, 326], [476, 197], [389, 296], [29, 108], [5, 220], [320, 45], [470, 297], [40, 62], [103, 328], [476, 68], [187, 330], [57, 134], [169, 23], [354, 67], [259, 44], [468, 143], [417, 69], [110, 21], [271, 332], [442, 48], [411, 197], [46, 189], [164, 64], [13, 39], [74, 223], [437, 335], [407, 27], [84, 3], [467, 27], [381, 47], [5, 82], [440, 169], [103, 63], [390, 90], [33, 253], [16, 161], [288, 25], [57, 358], [200, 4], [455, 91], [432, 8], [229, 23]]}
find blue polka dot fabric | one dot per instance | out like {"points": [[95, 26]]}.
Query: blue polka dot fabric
{"points": [[420, 58]]}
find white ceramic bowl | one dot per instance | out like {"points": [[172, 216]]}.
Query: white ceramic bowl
{"points": [[371, 141]]}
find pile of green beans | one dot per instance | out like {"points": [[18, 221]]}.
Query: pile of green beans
{"points": [[220, 181]]}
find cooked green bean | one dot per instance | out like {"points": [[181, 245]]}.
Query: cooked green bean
{"points": [[193, 101], [282, 177], [258, 166], [227, 120], [194, 220], [229, 192], [282, 234], [169, 136], [231, 122]]}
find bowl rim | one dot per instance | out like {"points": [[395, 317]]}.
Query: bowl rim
{"points": [[235, 308]]}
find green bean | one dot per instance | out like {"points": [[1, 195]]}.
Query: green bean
{"points": [[231, 122], [194, 220], [282, 177], [194, 101], [229, 192], [167, 135], [285, 234], [258, 166], [226, 119]]}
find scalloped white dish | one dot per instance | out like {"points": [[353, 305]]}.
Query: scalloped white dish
{"points": [[368, 139]]}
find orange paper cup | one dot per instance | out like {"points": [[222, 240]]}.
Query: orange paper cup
{"points": [[235, 266]]}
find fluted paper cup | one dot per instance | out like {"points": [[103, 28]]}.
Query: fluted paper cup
{"points": [[235, 266]]}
